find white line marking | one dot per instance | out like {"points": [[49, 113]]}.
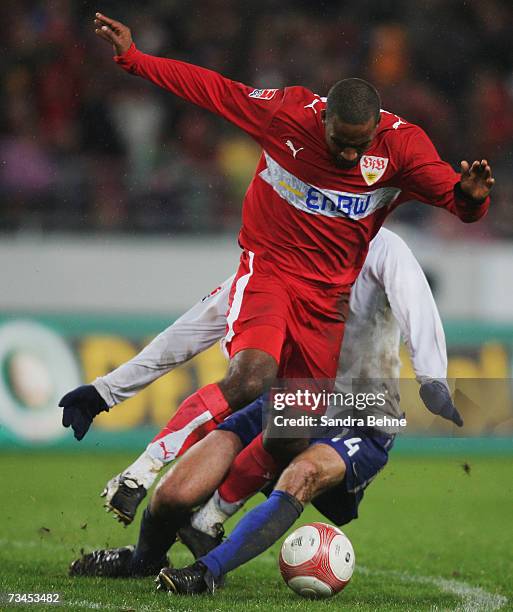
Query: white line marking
{"points": [[475, 599]]}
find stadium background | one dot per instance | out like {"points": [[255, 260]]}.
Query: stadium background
{"points": [[119, 204], [119, 208]]}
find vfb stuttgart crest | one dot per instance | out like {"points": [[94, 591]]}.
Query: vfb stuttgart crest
{"points": [[373, 168]]}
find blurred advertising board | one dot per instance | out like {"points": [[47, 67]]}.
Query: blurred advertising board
{"points": [[42, 357]]}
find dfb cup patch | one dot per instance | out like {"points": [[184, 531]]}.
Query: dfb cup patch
{"points": [[211, 294], [263, 94], [373, 168]]}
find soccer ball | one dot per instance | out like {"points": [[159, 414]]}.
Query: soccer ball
{"points": [[317, 560]]}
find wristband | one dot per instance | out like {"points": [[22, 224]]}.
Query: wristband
{"points": [[461, 195]]}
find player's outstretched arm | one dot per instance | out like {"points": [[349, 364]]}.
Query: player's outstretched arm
{"points": [[234, 101], [195, 331], [414, 308]]}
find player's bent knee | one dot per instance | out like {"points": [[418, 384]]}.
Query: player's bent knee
{"points": [[172, 493], [301, 479], [167, 500], [195, 476], [313, 472]]}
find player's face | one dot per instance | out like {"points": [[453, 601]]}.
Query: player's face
{"points": [[347, 143]]}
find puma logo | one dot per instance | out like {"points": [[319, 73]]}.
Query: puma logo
{"points": [[312, 105], [398, 122], [167, 454], [293, 149]]}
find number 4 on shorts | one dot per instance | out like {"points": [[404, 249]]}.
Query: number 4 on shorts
{"points": [[352, 445]]}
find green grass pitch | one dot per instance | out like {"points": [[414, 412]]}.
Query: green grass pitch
{"points": [[430, 537]]}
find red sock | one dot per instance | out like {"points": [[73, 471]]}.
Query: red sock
{"points": [[253, 468], [195, 418]]}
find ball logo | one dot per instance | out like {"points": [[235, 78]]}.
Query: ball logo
{"points": [[373, 168], [321, 567]]}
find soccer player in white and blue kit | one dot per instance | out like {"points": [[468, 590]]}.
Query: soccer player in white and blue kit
{"points": [[390, 298]]}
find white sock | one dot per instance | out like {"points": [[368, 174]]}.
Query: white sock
{"points": [[144, 469], [215, 511]]}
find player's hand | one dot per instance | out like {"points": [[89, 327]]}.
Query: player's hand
{"points": [[114, 32], [476, 179], [80, 407], [437, 399]]}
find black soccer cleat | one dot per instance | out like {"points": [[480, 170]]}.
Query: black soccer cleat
{"points": [[126, 499], [199, 542], [113, 563], [192, 580]]}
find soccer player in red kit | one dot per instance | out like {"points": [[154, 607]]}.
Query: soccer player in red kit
{"points": [[330, 173]]}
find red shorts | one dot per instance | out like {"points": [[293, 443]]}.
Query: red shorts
{"points": [[298, 324]]}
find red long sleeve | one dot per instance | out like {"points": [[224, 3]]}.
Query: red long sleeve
{"points": [[429, 179], [232, 100]]}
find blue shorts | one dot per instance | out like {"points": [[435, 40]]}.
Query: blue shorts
{"points": [[364, 452], [246, 423]]}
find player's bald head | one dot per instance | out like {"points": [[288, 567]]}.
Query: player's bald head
{"points": [[353, 101]]}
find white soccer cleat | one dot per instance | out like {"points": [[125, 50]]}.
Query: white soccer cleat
{"points": [[124, 493]]}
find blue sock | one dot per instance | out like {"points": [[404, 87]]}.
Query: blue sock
{"points": [[254, 533]]}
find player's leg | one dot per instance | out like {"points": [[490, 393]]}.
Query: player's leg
{"points": [[256, 329], [191, 481], [309, 474], [311, 352], [364, 455], [125, 492], [333, 472], [187, 484], [250, 373], [256, 319], [253, 468], [304, 358]]}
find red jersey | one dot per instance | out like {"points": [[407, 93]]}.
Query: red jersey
{"points": [[308, 217]]}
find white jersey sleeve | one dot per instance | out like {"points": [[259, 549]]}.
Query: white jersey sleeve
{"points": [[412, 304], [195, 331]]}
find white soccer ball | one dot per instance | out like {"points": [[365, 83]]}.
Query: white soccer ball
{"points": [[317, 560]]}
